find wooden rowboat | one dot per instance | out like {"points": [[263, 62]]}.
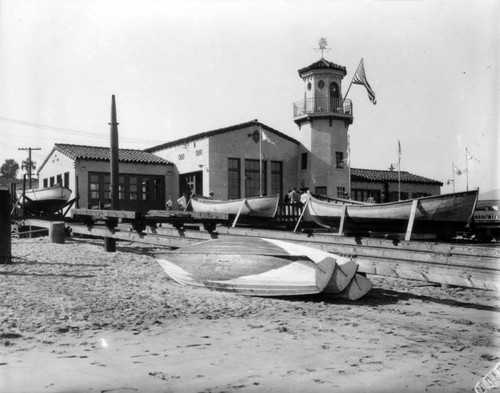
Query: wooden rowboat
{"points": [[345, 267], [260, 206], [357, 288], [49, 199], [255, 266], [439, 214]]}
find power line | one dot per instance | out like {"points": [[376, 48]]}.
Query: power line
{"points": [[30, 149], [71, 131]]}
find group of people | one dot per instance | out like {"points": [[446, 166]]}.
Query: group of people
{"points": [[183, 201], [295, 197]]}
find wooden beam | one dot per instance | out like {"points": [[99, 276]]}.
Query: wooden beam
{"points": [[449, 275], [470, 266], [301, 214], [243, 202], [411, 220], [342, 220]]}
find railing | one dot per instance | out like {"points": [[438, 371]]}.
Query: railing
{"points": [[288, 212], [322, 105]]}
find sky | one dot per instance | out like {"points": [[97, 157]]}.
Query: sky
{"points": [[178, 68]]}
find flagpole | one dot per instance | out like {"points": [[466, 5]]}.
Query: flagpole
{"points": [[260, 161], [399, 170], [349, 88], [453, 174], [349, 165], [466, 171]]}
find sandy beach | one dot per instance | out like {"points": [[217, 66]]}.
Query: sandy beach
{"points": [[74, 318]]}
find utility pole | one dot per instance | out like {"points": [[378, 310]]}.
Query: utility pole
{"points": [[110, 243], [29, 160]]}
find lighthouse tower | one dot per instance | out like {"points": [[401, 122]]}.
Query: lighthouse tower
{"points": [[323, 117]]}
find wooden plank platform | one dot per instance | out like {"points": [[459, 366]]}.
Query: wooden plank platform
{"points": [[473, 266]]}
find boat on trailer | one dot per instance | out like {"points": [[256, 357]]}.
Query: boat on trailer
{"points": [[259, 206], [48, 199], [257, 267], [441, 215]]}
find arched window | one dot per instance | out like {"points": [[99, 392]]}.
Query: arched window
{"points": [[334, 90], [334, 97]]}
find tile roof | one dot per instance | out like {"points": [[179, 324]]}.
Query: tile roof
{"points": [[321, 65], [375, 175], [99, 153], [218, 131]]}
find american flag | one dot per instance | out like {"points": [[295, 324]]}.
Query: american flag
{"points": [[360, 79]]}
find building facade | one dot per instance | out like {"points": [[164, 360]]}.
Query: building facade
{"points": [[226, 161], [389, 186], [323, 118], [143, 177]]}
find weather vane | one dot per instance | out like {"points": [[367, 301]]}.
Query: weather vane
{"points": [[322, 46]]}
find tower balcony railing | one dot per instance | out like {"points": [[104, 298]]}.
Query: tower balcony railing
{"points": [[322, 106]]}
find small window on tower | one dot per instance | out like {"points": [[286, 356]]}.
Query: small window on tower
{"points": [[303, 163], [339, 159]]}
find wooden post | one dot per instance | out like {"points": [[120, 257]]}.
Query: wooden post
{"points": [[301, 215], [5, 240], [411, 220], [239, 212], [110, 243], [342, 220]]}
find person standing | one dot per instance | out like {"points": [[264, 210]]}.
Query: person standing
{"points": [[169, 205]]}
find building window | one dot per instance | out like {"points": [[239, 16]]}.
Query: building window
{"points": [[66, 179], [94, 187], [59, 180], [45, 183], [181, 157], [277, 178], [107, 188], [146, 189], [121, 188], [254, 182], [365, 195], [340, 192], [320, 190], [339, 159], [303, 161], [158, 188], [52, 181], [233, 178], [132, 188], [199, 152], [420, 194], [135, 192]]}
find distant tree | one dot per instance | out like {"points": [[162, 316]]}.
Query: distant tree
{"points": [[25, 165], [9, 169]]}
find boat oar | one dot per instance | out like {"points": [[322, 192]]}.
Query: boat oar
{"points": [[239, 212], [302, 214]]}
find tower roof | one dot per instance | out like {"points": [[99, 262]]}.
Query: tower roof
{"points": [[321, 65]]}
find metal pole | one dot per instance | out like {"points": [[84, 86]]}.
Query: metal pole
{"points": [[350, 84], [466, 171], [399, 177], [260, 161], [349, 164], [453, 175]]}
